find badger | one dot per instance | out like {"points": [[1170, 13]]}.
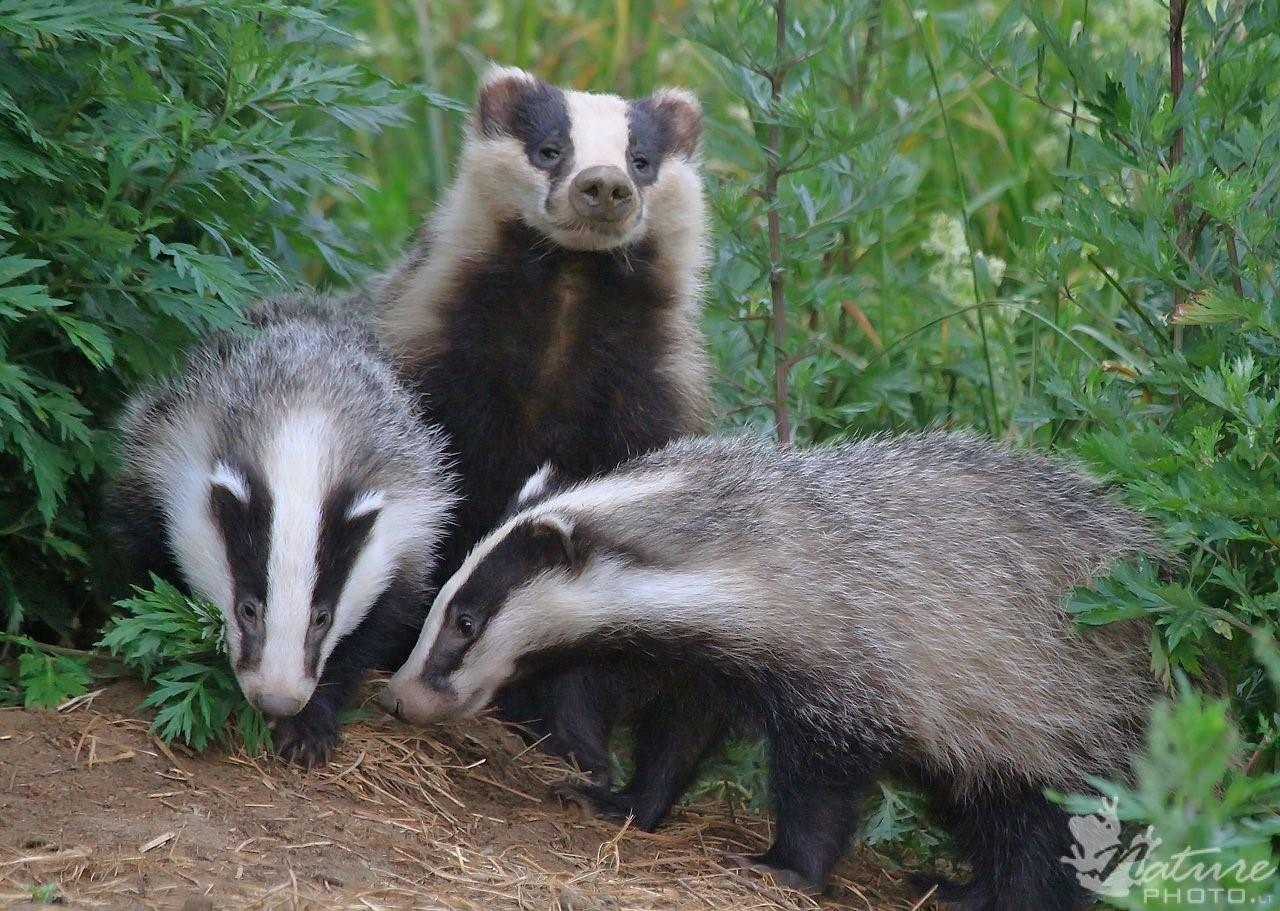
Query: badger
{"points": [[549, 313], [887, 607], [288, 478]]}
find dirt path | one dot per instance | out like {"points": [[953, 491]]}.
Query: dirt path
{"points": [[451, 818]]}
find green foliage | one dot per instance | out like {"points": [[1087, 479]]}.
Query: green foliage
{"points": [[159, 167], [46, 894], [990, 216], [42, 676], [176, 644], [49, 680], [1202, 825]]}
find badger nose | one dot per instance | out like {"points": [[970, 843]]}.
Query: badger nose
{"points": [[602, 193], [278, 706], [389, 703]]}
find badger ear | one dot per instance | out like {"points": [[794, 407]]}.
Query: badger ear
{"points": [[557, 541], [681, 116], [498, 100], [225, 481], [541, 484]]}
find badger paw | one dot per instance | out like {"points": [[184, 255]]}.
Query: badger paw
{"points": [[308, 738], [938, 888], [783, 876], [948, 893], [593, 800]]}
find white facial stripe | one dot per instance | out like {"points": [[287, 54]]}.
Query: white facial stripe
{"points": [[598, 129], [602, 494], [403, 530], [195, 539], [297, 467], [180, 466], [367, 502], [559, 608], [232, 481]]}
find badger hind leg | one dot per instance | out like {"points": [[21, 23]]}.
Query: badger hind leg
{"points": [[816, 813], [1014, 838]]}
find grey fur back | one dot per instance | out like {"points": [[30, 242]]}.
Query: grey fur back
{"points": [[915, 584]]}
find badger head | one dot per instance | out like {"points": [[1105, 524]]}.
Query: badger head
{"points": [[589, 171], [295, 544], [556, 575]]}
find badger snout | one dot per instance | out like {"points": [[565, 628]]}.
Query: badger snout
{"points": [[278, 706], [602, 194], [389, 703], [410, 700]]}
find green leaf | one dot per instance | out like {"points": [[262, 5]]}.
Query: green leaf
{"points": [[50, 680]]}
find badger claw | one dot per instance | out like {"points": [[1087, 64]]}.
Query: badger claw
{"points": [[307, 739], [592, 800], [783, 876], [947, 892]]}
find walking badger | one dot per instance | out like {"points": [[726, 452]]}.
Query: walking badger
{"points": [[289, 479], [889, 607], [549, 313]]}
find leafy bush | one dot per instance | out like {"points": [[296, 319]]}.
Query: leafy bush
{"points": [[1049, 222], [1135, 323], [159, 163]]}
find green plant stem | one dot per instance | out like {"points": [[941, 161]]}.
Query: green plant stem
{"points": [[1177, 16], [993, 416], [1075, 93], [27, 642], [430, 78], [777, 288], [1128, 298]]}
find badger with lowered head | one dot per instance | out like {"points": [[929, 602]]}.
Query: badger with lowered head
{"points": [[549, 313], [889, 607], [288, 478]]}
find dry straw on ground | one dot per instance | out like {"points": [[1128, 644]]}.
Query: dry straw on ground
{"points": [[99, 812]]}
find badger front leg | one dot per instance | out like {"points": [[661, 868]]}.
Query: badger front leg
{"points": [[675, 731], [310, 737]]}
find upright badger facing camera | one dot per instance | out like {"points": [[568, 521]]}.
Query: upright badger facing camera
{"points": [[288, 478], [889, 607], [549, 313]]}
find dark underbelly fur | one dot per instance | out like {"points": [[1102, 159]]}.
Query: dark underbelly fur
{"points": [[552, 355]]}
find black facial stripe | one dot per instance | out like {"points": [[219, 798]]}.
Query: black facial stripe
{"points": [[341, 540], [649, 136], [540, 119], [246, 532], [516, 559]]}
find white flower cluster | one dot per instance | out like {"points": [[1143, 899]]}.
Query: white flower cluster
{"points": [[952, 275]]}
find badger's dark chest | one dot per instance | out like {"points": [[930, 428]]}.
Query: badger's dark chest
{"points": [[552, 354]]}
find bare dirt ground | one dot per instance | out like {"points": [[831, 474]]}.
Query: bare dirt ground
{"points": [[446, 818]]}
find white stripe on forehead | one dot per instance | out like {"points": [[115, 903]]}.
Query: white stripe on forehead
{"points": [[602, 494], [297, 466], [598, 129]]}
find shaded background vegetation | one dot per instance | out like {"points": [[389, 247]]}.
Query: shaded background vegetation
{"points": [[1056, 223]]}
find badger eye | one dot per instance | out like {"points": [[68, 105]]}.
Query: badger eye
{"points": [[466, 626], [640, 163], [321, 619], [247, 609], [548, 153]]}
